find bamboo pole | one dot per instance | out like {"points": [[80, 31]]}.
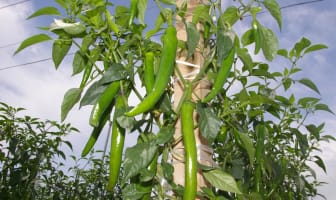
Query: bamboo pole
{"points": [[201, 89]]}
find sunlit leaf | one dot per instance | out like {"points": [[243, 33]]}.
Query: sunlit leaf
{"points": [[307, 82], [274, 8], [45, 11], [209, 123], [32, 40], [59, 50], [138, 157], [71, 97], [222, 180]]}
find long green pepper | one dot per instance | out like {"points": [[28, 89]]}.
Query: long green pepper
{"points": [[166, 68], [222, 75], [187, 122], [103, 103], [117, 145], [149, 77]]}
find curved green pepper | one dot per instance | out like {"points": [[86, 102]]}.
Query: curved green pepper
{"points": [[95, 133], [166, 68], [112, 26], [222, 75], [104, 101], [190, 179]]}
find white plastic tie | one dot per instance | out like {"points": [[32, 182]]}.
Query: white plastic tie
{"points": [[188, 64]]}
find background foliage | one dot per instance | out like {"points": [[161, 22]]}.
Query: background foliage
{"points": [[257, 126]]}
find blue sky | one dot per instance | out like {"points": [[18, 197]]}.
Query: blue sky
{"points": [[40, 88]]}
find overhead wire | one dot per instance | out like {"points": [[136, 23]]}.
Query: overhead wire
{"points": [[14, 4], [30, 63], [46, 59]]}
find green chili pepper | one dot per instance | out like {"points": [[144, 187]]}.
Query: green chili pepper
{"points": [[95, 133], [117, 145], [149, 71], [166, 68], [86, 75], [112, 26], [190, 182], [103, 103], [222, 75], [133, 11]]}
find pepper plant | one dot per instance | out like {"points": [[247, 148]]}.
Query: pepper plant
{"points": [[255, 124]]}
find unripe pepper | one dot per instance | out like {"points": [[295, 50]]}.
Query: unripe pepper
{"points": [[166, 68]]}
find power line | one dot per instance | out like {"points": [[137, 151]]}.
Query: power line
{"points": [[13, 4], [29, 63], [300, 3]]}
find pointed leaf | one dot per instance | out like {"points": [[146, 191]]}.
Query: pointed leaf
{"points": [[32, 40], [307, 82], [60, 50], [222, 180], [92, 94], [134, 191], [248, 146], [231, 15], [114, 73], [209, 123], [193, 36], [320, 163], [165, 134], [274, 8], [45, 11], [324, 107], [142, 6], [79, 62], [71, 97], [315, 47], [269, 42], [138, 157]]}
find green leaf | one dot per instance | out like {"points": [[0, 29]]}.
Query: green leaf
{"points": [[307, 82], [32, 40], [299, 47], [133, 191], [225, 41], [201, 13], [45, 11], [248, 37], [158, 23], [320, 163], [315, 47], [209, 123], [193, 36], [71, 97], [247, 143], [245, 57], [142, 6], [59, 50], [231, 15], [79, 62], [165, 134], [138, 157], [114, 73], [283, 52], [222, 180], [274, 8], [323, 107], [269, 42], [307, 102], [168, 2], [92, 94]]}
